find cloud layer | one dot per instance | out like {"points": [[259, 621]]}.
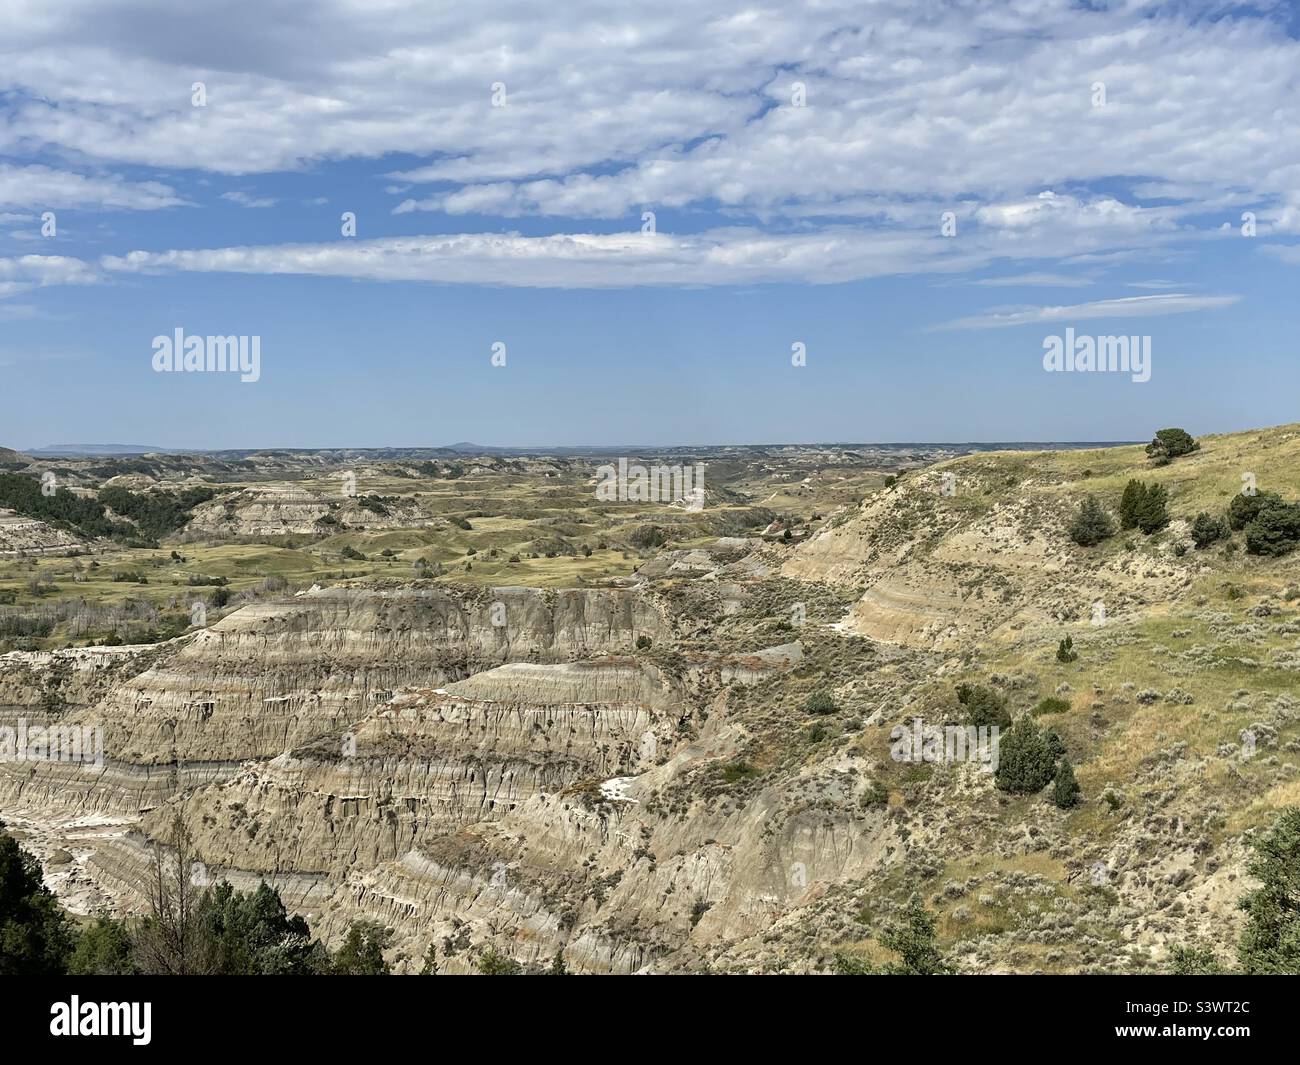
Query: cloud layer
{"points": [[834, 136]]}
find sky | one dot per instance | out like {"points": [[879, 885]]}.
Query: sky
{"points": [[680, 223]]}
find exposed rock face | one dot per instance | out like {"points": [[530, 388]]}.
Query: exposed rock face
{"points": [[272, 676], [72, 679], [277, 509], [462, 766], [519, 768], [939, 571], [29, 536]]}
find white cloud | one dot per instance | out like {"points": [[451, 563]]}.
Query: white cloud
{"points": [[26, 272], [44, 187], [247, 199], [1036, 280], [1125, 307], [611, 106], [684, 108], [738, 255]]}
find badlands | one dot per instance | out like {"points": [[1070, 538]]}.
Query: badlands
{"points": [[472, 702]]}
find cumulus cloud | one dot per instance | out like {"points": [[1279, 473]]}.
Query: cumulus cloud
{"points": [[26, 272]]}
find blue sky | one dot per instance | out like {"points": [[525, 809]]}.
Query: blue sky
{"points": [[777, 220]]}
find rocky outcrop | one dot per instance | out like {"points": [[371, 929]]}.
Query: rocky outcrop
{"points": [[29, 536]]}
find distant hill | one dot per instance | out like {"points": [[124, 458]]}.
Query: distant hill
{"points": [[93, 450]]}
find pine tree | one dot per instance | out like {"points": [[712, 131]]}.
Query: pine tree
{"points": [[35, 935], [1026, 761], [362, 953], [1129, 503], [558, 968], [1152, 513], [984, 706], [1091, 525], [1065, 651], [1066, 791], [1170, 443], [1270, 945], [1206, 529]]}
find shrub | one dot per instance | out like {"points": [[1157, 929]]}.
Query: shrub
{"points": [[643, 643], [1244, 509], [1052, 705], [1194, 960], [1091, 525], [819, 703], [913, 941], [984, 706], [1065, 651], [737, 771], [1275, 530], [1207, 529], [1026, 758], [647, 536], [1065, 792], [494, 963]]}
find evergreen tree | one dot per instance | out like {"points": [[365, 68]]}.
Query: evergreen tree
{"points": [[362, 953], [1244, 509], [1275, 530], [1065, 793], [1270, 945], [1152, 512], [1091, 525], [35, 935], [1065, 651], [430, 966], [914, 941], [494, 963], [252, 934], [1129, 503], [1170, 443], [984, 706], [558, 968], [1026, 759], [1207, 529], [103, 949]]}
